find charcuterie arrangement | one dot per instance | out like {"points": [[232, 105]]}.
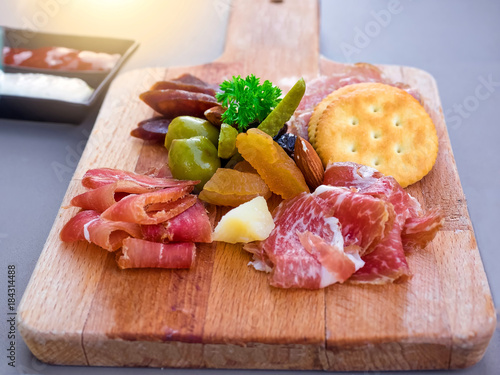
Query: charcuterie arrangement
{"points": [[314, 179]]}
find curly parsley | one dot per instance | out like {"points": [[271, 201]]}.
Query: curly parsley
{"points": [[247, 101]]}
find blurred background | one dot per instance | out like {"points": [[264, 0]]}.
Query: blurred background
{"points": [[169, 31]]}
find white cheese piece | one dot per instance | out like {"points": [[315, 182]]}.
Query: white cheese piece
{"points": [[250, 221]]}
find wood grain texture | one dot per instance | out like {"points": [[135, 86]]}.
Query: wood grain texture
{"points": [[79, 308]]}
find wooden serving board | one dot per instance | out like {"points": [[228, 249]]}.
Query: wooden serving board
{"points": [[80, 309]]}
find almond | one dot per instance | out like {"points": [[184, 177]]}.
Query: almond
{"points": [[308, 161], [214, 115]]}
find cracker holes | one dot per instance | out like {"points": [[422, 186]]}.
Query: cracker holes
{"points": [[375, 109], [376, 135], [398, 149], [354, 121], [376, 162], [397, 123], [353, 149]]}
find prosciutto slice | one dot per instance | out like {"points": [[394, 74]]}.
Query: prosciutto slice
{"points": [[349, 174], [387, 262], [137, 253], [192, 225], [302, 220], [331, 256], [320, 87], [151, 208], [103, 197], [90, 226], [419, 231], [95, 178], [364, 219]]}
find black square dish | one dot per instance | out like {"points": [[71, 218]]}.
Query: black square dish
{"points": [[51, 110]]}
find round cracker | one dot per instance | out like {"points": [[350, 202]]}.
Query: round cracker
{"points": [[320, 108], [380, 126]]}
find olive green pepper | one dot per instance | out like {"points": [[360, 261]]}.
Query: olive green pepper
{"points": [[188, 126], [193, 159], [284, 110], [227, 141]]}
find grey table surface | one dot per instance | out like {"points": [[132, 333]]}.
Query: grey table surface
{"points": [[457, 41]]}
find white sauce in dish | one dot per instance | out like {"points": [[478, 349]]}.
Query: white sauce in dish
{"points": [[45, 86]]}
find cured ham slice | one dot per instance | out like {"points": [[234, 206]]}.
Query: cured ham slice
{"points": [[137, 253], [260, 260], [320, 87], [387, 262], [419, 231], [364, 220], [151, 208], [292, 265], [349, 174], [339, 265], [103, 197], [192, 225], [95, 178], [90, 226], [370, 181]]}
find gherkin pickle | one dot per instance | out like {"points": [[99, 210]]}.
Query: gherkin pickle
{"points": [[194, 158], [227, 141], [284, 110], [188, 126]]}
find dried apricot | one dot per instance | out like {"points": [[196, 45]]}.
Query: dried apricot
{"points": [[244, 166], [229, 187], [272, 163]]}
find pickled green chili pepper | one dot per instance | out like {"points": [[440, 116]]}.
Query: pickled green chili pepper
{"points": [[284, 110], [227, 141]]}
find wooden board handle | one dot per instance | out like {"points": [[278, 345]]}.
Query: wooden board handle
{"points": [[269, 31]]}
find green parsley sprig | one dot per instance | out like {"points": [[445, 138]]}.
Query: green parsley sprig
{"points": [[247, 101]]}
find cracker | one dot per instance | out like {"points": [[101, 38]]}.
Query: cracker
{"points": [[320, 108], [380, 126]]}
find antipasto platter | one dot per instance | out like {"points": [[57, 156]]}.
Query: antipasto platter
{"points": [[431, 308]]}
